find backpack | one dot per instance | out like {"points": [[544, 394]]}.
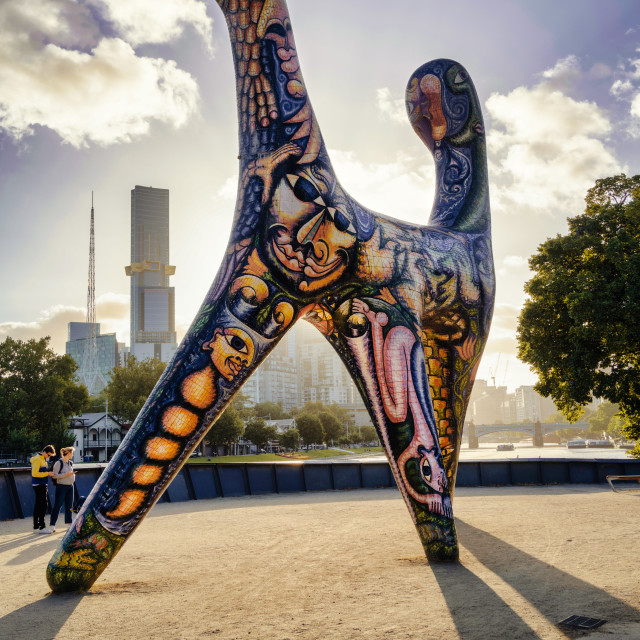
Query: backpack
{"points": [[55, 480]]}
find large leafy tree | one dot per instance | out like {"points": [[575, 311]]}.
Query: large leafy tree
{"points": [[310, 428], [290, 439], [270, 410], [131, 385], [579, 329], [331, 426], [257, 431], [38, 395], [226, 429]]}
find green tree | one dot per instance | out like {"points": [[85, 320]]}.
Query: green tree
{"points": [[270, 410], [38, 395], [599, 421], [310, 428], [226, 429], [290, 439], [98, 403], [331, 426], [257, 431], [131, 385], [579, 328], [368, 433], [310, 407]]}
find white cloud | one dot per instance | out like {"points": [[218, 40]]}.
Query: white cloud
{"points": [[112, 312], [57, 72], [621, 88], [514, 261], [229, 190], [511, 265], [626, 88], [565, 72], [545, 149], [392, 109], [150, 21], [402, 189], [53, 322]]}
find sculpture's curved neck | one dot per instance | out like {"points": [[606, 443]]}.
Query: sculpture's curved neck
{"points": [[273, 105], [445, 113]]}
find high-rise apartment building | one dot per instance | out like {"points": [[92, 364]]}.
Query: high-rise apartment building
{"points": [[276, 379], [322, 376], [153, 331]]}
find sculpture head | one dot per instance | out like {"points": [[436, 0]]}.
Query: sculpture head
{"points": [[309, 228], [442, 104], [232, 349]]}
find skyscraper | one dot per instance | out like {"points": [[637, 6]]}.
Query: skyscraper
{"points": [[153, 331]]}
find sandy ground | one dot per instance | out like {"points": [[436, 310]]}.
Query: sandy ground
{"points": [[345, 565]]}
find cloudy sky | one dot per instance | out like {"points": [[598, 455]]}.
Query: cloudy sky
{"points": [[102, 95]]}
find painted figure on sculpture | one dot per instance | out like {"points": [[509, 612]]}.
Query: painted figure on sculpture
{"points": [[406, 307]]}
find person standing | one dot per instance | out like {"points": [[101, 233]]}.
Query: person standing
{"points": [[65, 477], [40, 480]]}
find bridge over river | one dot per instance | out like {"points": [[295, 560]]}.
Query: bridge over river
{"points": [[536, 430]]}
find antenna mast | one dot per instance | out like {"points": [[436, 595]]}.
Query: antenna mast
{"points": [[90, 374]]}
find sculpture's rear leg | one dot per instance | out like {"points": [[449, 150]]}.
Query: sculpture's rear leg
{"points": [[385, 357]]}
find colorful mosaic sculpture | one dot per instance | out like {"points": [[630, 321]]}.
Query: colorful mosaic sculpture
{"points": [[406, 307]]}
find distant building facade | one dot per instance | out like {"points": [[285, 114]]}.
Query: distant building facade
{"points": [[98, 435], [322, 376], [276, 379], [493, 405], [531, 406], [153, 331], [108, 353]]}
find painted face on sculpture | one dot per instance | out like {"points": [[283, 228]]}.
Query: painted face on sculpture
{"points": [[231, 350], [310, 230]]}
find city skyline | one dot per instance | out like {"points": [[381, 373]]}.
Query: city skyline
{"points": [[562, 108]]}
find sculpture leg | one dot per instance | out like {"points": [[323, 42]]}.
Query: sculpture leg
{"points": [[386, 359], [231, 336]]}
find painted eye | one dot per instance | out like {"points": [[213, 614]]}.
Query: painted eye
{"points": [[342, 222], [303, 189], [238, 344], [461, 76]]}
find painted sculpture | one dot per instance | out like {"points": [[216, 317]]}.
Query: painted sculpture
{"points": [[406, 307]]}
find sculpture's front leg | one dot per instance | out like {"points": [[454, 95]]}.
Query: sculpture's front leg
{"points": [[227, 341]]}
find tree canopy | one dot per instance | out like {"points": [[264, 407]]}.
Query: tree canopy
{"points": [[131, 385], [38, 395], [290, 439], [226, 429], [331, 426], [257, 431], [310, 428], [270, 410], [579, 328]]}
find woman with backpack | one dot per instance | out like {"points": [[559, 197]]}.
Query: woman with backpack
{"points": [[64, 478]]}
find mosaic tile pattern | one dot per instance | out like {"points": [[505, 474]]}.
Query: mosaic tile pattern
{"points": [[406, 307]]}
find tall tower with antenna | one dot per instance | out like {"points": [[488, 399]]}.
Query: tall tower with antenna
{"points": [[90, 373]]}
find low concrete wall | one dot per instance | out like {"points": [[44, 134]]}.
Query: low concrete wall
{"points": [[211, 480]]}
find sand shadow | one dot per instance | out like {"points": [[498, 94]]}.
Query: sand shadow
{"points": [[35, 550], [465, 594], [556, 594], [41, 619]]}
